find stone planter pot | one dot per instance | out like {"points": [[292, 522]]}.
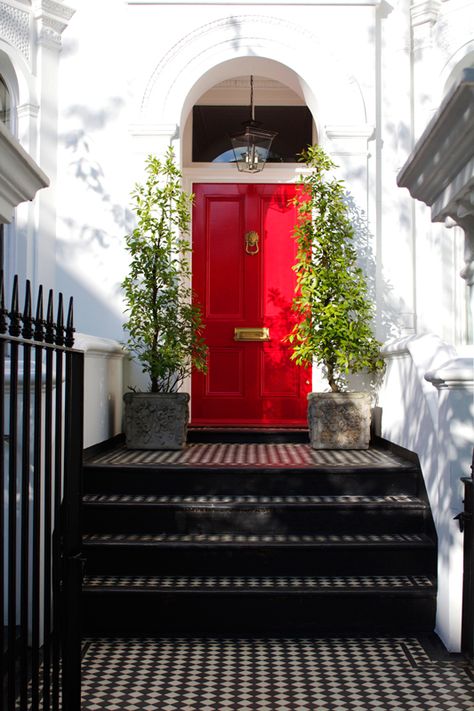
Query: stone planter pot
{"points": [[339, 420], [156, 420]]}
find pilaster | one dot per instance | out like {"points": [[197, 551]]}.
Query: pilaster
{"points": [[423, 17], [51, 18]]}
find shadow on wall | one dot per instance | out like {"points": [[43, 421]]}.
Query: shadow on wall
{"points": [[389, 324], [93, 314], [92, 248]]}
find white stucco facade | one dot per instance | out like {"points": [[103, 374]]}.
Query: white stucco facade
{"points": [[96, 86]]}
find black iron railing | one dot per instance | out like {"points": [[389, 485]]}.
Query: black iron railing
{"points": [[466, 522], [41, 385]]}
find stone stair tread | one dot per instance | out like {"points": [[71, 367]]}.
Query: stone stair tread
{"points": [[225, 539], [222, 584], [403, 500]]}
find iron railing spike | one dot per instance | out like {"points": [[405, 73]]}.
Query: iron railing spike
{"points": [[69, 341], [27, 330], [50, 325], [60, 322], [39, 320], [14, 329]]}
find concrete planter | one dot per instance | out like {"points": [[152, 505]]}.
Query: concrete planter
{"points": [[339, 420], [156, 420]]}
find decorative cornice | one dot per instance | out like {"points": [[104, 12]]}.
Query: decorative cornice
{"points": [[27, 111], [52, 18], [20, 177], [424, 12], [446, 145], [440, 170], [15, 28]]}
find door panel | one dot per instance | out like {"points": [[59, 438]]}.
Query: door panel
{"points": [[248, 382], [224, 259]]}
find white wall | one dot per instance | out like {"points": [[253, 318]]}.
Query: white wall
{"points": [[103, 387], [435, 419]]}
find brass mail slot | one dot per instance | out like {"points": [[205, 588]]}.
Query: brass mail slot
{"points": [[251, 334]]}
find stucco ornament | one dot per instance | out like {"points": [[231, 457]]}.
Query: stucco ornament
{"points": [[15, 28]]}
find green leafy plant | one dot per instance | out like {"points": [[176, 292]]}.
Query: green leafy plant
{"points": [[164, 326], [334, 313]]}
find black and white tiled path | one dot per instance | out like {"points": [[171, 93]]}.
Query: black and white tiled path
{"points": [[233, 674]]}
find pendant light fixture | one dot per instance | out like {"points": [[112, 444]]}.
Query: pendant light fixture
{"points": [[252, 145]]}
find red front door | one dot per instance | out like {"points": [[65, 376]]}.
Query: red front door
{"points": [[246, 285]]}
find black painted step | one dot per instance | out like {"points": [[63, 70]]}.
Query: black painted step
{"points": [[271, 537], [172, 481], [271, 514], [250, 435], [270, 604], [251, 554]]}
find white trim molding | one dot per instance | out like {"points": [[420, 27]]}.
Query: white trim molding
{"points": [[20, 177], [456, 373]]}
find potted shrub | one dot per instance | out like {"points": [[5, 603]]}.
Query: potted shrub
{"points": [[334, 313], [164, 326]]}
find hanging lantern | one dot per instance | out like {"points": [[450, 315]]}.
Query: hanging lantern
{"points": [[252, 145]]}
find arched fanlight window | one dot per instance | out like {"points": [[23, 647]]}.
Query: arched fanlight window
{"points": [[4, 102]]}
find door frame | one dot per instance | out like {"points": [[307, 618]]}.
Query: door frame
{"points": [[228, 174]]}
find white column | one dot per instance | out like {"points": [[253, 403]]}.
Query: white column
{"points": [[51, 18]]}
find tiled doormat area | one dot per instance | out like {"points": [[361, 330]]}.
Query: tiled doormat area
{"points": [[368, 674], [249, 455]]}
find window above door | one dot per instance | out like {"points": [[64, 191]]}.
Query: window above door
{"points": [[213, 124]]}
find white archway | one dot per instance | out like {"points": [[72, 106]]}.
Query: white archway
{"points": [[230, 46]]}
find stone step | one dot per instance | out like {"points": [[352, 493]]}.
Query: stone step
{"points": [[262, 554], [129, 513], [253, 469], [233, 604]]}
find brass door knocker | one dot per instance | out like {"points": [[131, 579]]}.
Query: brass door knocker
{"points": [[251, 242]]}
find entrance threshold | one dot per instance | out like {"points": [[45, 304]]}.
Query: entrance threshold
{"points": [[248, 434]]}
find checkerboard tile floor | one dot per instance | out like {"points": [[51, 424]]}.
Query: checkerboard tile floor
{"points": [[331, 674], [250, 455]]}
